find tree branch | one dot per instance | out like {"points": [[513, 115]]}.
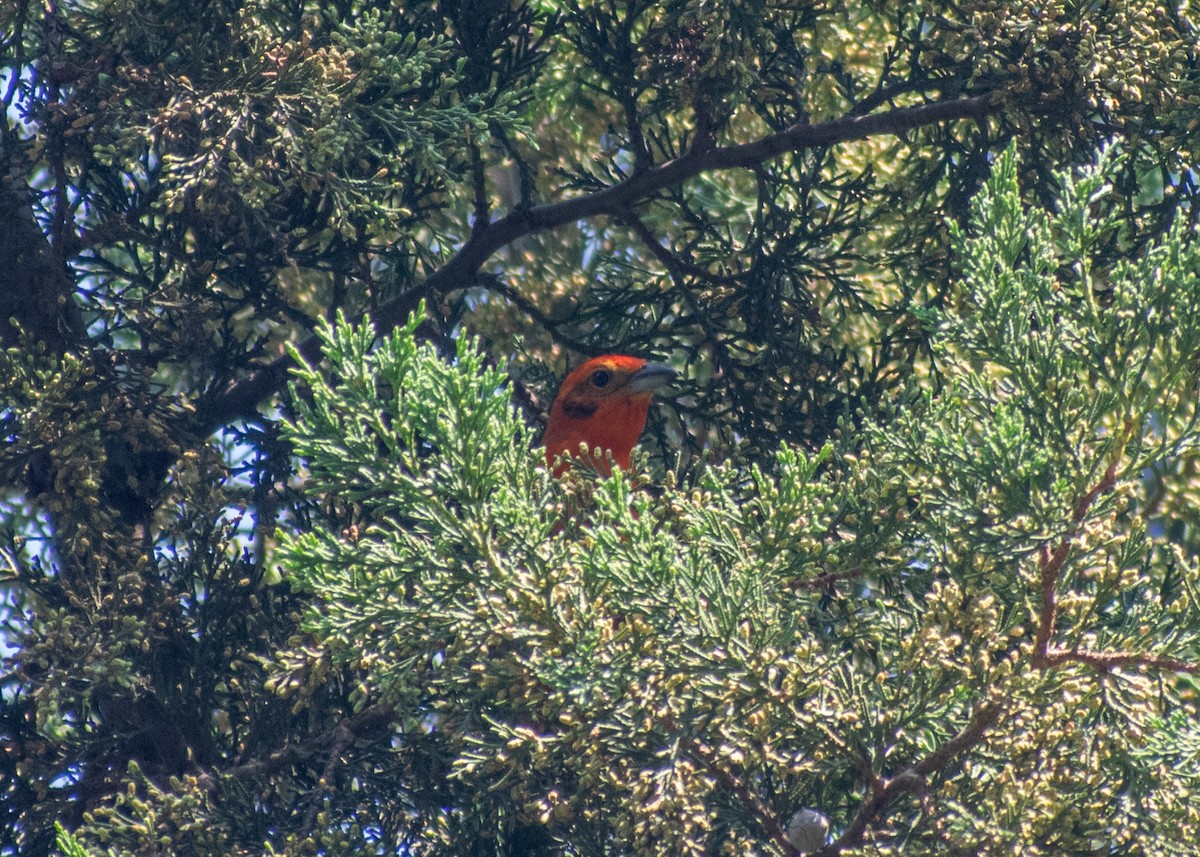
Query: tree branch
{"points": [[341, 737], [343, 740], [828, 579], [742, 791], [241, 398], [38, 285], [676, 266], [1050, 566], [882, 792]]}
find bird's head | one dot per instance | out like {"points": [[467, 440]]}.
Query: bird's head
{"points": [[603, 403]]}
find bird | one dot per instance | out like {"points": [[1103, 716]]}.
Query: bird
{"points": [[603, 403]]}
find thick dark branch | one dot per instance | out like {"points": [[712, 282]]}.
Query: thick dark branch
{"points": [[340, 738], [242, 398], [35, 284], [643, 184]]}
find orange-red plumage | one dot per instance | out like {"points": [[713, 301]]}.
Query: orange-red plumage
{"points": [[603, 403]]}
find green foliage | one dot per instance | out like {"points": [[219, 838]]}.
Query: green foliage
{"points": [[68, 845], [925, 408], [452, 472], [625, 674]]}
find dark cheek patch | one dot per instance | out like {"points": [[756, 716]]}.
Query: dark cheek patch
{"points": [[577, 410]]}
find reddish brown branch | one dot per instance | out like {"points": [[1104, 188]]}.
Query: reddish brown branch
{"points": [[1106, 483], [1051, 562], [241, 398], [1050, 566], [738, 786], [881, 792], [970, 736], [1104, 661]]}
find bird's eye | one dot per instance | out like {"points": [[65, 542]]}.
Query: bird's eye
{"points": [[601, 377]]}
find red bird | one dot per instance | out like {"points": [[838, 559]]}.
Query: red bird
{"points": [[603, 403]]}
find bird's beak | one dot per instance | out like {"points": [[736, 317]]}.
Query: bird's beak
{"points": [[650, 377]]}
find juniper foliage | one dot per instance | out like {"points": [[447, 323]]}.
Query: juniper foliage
{"points": [[761, 193], [960, 626]]}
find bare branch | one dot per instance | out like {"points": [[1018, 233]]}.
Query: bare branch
{"points": [[824, 581], [1104, 661]]}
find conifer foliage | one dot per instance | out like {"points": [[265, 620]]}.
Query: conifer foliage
{"points": [[907, 561], [951, 627]]}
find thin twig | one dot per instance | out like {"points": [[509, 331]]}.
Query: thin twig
{"points": [[822, 581], [343, 740], [675, 265], [483, 209], [753, 804]]}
